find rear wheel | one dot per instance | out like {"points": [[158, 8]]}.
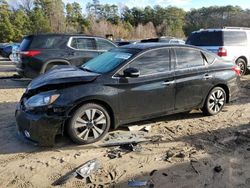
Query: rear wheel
{"points": [[243, 66], [89, 124], [215, 101]]}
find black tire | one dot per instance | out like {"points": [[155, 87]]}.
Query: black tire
{"points": [[243, 66], [79, 126], [215, 101]]}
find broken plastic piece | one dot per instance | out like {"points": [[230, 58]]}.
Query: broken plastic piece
{"points": [[88, 168], [84, 171], [134, 183]]}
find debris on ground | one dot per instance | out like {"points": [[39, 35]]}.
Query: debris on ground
{"points": [[152, 172], [218, 169], [193, 167], [114, 153], [123, 148], [88, 168], [83, 171], [164, 174], [146, 128], [180, 155], [136, 183]]}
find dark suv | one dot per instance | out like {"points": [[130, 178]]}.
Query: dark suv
{"points": [[39, 53]]}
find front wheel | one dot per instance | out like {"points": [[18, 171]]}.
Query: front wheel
{"points": [[215, 101], [89, 124]]}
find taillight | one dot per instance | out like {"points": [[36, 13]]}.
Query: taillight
{"points": [[30, 53], [236, 69], [222, 52]]}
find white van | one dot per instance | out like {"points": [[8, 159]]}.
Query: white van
{"points": [[230, 43]]}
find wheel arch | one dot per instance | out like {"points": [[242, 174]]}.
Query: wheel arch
{"points": [[242, 57], [96, 101], [223, 86], [55, 62]]}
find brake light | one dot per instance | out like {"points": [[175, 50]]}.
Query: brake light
{"points": [[30, 53], [222, 52], [236, 69]]}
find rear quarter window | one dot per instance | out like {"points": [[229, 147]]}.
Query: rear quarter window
{"points": [[235, 38], [104, 45], [47, 42], [210, 58], [205, 38]]}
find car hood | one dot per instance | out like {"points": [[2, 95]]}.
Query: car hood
{"points": [[62, 75]]}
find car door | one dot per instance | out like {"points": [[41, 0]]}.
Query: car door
{"points": [[151, 93], [104, 45], [82, 50], [192, 78]]}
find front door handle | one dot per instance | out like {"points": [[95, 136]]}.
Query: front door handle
{"points": [[168, 83], [207, 77]]}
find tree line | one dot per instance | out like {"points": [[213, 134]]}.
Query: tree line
{"points": [[43, 16]]}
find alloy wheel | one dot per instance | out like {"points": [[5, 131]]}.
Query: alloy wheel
{"points": [[216, 101], [90, 124]]}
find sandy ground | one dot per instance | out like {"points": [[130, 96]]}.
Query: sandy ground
{"points": [[191, 148]]}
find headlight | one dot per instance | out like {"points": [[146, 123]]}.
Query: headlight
{"points": [[43, 99]]}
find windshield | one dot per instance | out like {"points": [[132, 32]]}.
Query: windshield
{"points": [[106, 62]]}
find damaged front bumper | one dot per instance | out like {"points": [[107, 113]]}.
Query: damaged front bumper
{"points": [[39, 128]]}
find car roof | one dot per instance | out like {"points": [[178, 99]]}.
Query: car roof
{"points": [[152, 45], [62, 34], [222, 29]]}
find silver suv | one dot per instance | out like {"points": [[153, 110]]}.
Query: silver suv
{"points": [[230, 43]]}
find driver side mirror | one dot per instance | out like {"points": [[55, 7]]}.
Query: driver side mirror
{"points": [[131, 72]]}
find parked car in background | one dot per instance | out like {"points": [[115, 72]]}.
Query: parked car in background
{"points": [[127, 84], [40, 53], [6, 50], [123, 42], [2, 45], [168, 40], [230, 43], [14, 56]]}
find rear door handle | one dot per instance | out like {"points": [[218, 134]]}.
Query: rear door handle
{"points": [[167, 83], [207, 77]]}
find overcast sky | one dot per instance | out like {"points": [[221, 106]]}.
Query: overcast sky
{"points": [[186, 4]]}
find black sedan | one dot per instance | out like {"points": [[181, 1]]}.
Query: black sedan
{"points": [[124, 85]]}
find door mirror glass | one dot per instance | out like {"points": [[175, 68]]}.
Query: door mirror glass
{"points": [[131, 72]]}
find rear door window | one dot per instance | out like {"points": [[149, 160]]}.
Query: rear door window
{"points": [[104, 45], [206, 38], [188, 58], [235, 38], [83, 43]]}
